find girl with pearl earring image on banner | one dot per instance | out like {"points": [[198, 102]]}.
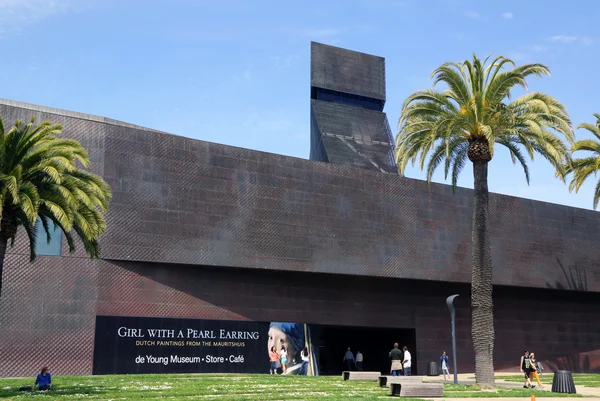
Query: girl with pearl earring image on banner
{"points": [[295, 339]]}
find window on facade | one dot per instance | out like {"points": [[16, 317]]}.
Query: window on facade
{"points": [[347, 99], [42, 247]]}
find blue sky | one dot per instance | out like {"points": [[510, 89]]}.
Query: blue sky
{"points": [[237, 72]]}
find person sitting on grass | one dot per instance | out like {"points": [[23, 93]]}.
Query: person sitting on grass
{"points": [[43, 381]]}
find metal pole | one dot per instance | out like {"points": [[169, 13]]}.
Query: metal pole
{"points": [[450, 303]]}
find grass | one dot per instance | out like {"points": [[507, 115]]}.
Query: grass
{"points": [[226, 388], [462, 391], [198, 387], [581, 379]]}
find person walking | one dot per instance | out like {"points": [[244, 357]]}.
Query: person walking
{"points": [[396, 358], [535, 370], [273, 359], [444, 365], [526, 368], [407, 362], [359, 361], [349, 360]]}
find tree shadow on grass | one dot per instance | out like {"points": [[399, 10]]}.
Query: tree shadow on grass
{"points": [[58, 391]]}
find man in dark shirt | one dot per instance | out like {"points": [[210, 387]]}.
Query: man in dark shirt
{"points": [[349, 360], [396, 356]]}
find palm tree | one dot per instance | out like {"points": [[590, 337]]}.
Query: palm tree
{"points": [[40, 178], [583, 168], [465, 121]]}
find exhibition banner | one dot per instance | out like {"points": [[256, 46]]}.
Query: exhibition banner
{"points": [[165, 345]]}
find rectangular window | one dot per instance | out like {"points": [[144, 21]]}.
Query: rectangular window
{"points": [[348, 99], [42, 247]]}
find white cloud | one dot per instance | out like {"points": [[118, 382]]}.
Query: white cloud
{"points": [[563, 39], [472, 14], [517, 56], [14, 14], [539, 48], [586, 40], [572, 39], [281, 63], [507, 15], [525, 54]]}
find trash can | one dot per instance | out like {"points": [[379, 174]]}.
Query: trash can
{"points": [[563, 382], [433, 369], [395, 389]]}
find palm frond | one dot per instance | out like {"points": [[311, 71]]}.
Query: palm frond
{"points": [[448, 74], [460, 160], [41, 176], [597, 194], [586, 144], [516, 155], [436, 127], [582, 168]]}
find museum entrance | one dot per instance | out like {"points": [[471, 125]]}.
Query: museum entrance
{"points": [[373, 342]]}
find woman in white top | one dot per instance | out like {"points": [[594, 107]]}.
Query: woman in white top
{"points": [[305, 359], [283, 358]]}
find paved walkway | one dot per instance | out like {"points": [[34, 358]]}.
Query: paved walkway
{"points": [[518, 399], [588, 393]]}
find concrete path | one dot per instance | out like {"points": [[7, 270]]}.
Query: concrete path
{"points": [[468, 379], [588, 393], [517, 399]]}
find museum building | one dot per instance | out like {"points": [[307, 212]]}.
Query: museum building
{"points": [[204, 232]]}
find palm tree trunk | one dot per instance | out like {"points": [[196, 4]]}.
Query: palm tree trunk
{"points": [[3, 246], [482, 328]]}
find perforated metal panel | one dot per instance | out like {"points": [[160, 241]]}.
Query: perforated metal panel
{"points": [[52, 322], [347, 71], [47, 315], [181, 201]]}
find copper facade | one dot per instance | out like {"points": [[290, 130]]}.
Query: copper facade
{"points": [[202, 230]]}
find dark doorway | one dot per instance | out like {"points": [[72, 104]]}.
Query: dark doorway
{"points": [[373, 342]]}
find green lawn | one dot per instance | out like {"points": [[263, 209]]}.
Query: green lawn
{"points": [[462, 391], [225, 388], [200, 387], [582, 379]]}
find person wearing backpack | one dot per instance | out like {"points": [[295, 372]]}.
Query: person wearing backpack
{"points": [[535, 370]]}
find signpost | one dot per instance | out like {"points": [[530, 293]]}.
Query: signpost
{"points": [[450, 303]]}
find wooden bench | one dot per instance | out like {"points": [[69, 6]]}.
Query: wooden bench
{"points": [[415, 390], [384, 381], [361, 376]]}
